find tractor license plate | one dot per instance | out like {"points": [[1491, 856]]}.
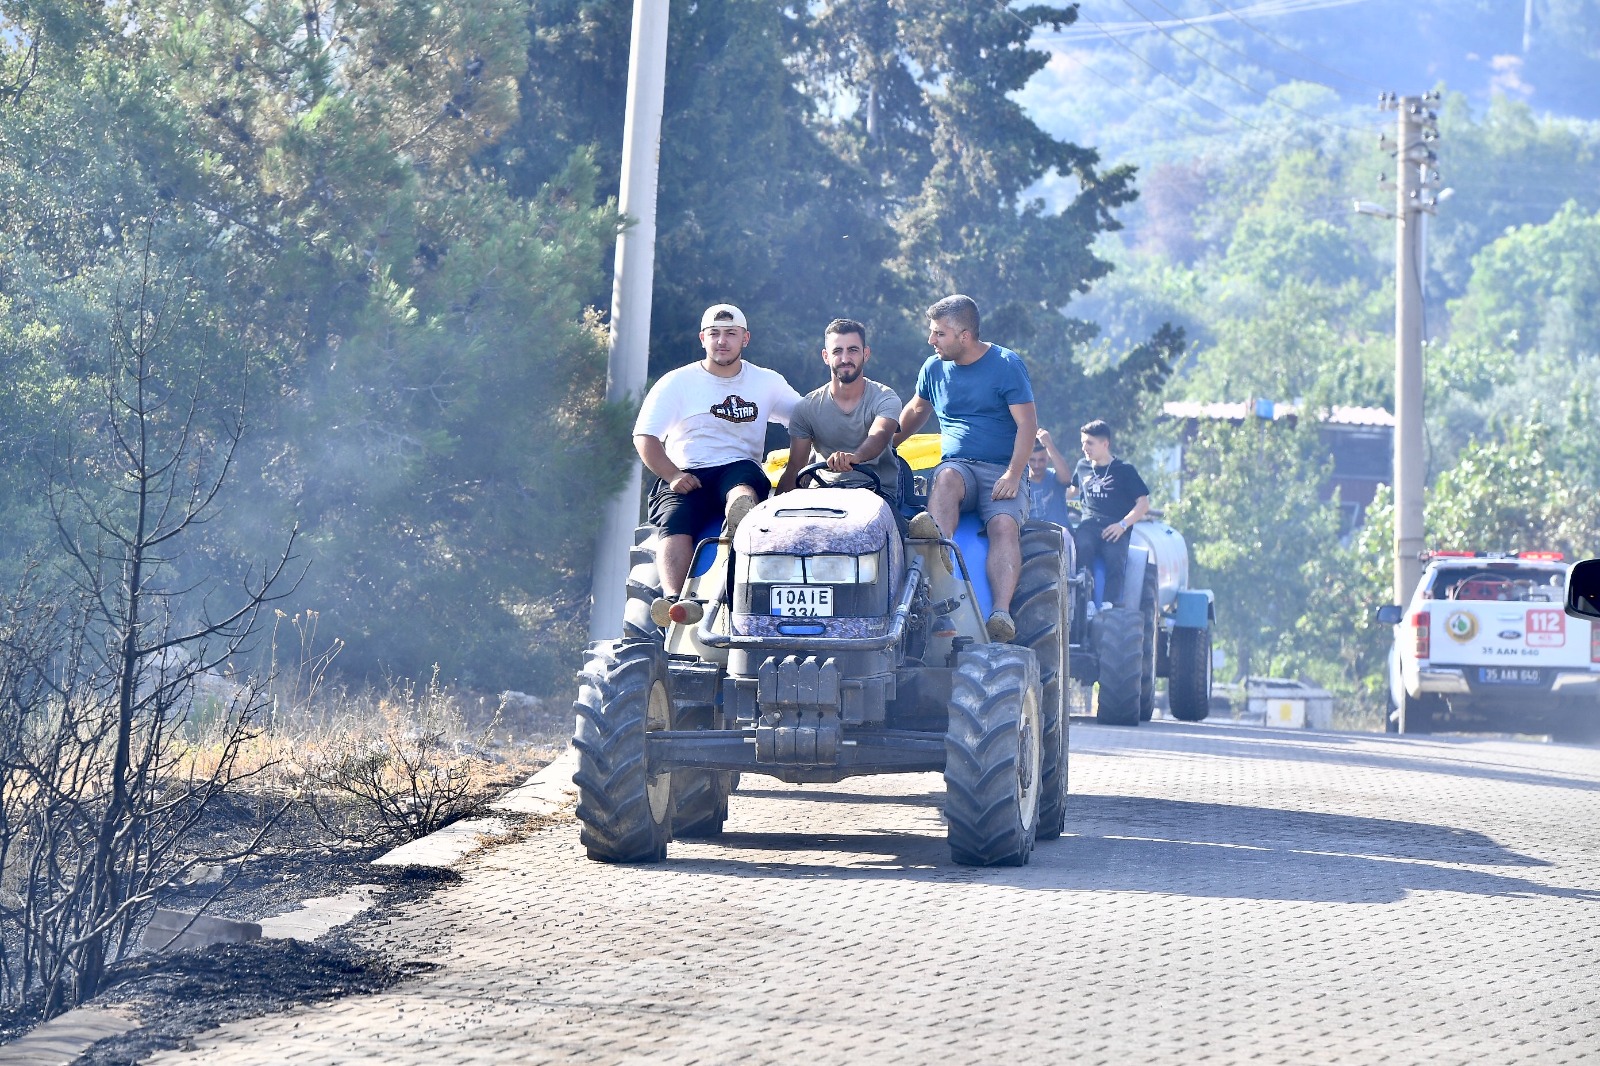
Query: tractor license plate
{"points": [[1509, 675], [805, 601]]}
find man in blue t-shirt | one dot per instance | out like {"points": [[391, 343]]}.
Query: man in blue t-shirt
{"points": [[984, 401]]}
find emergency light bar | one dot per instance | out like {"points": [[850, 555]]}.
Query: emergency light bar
{"points": [[1535, 557]]}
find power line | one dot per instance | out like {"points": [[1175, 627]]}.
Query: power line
{"points": [[1237, 81], [1267, 7], [1287, 75], [1241, 20], [1145, 100], [1188, 89]]}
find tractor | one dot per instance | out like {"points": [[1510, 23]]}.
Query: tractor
{"points": [[831, 645]]}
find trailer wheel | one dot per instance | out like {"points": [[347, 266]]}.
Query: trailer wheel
{"points": [[1117, 635], [699, 797], [1043, 611], [624, 811], [992, 756], [1189, 689]]}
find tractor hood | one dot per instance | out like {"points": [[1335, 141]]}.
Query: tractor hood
{"points": [[816, 521]]}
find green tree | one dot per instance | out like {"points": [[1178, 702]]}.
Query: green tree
{"points": [[1251, 510]]}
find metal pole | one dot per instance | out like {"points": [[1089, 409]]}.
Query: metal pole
{"points": [[1408, 464], [632, 280]]}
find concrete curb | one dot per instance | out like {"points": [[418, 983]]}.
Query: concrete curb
{"points": [[549, 793]]}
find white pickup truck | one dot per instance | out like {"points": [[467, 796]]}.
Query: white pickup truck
{"points": [[1485, 644]]}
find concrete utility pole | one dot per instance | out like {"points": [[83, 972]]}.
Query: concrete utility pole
{"points": [[1415, 178], [632, 281]]}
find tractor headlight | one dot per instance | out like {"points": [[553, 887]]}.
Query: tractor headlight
{"points": [[808, 569], [775, 569], [831, 569]]}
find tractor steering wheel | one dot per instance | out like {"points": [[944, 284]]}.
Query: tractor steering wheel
{"points": [[813, 470]]}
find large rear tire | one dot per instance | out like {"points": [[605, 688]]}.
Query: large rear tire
{"points": [[1149, 597], [699, 797], [1117, 635], [623, 694], [992, 769], [1042, 608], [1189, 688], [644, 586]]}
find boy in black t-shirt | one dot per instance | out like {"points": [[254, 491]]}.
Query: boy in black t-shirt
{"points": [[1114, 498]]}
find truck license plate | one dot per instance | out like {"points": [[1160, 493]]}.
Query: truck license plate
{"points": [[804, 601], [1509, 675]]}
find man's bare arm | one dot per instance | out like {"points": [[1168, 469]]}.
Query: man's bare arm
{"points": [[1027, 419], [912, 416], [654, 455], [799, 456]]}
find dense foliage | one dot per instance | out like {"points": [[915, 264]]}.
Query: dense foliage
{"points": [[385, 227]]}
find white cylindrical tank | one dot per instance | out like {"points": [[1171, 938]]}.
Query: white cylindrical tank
{"points": [[1166, 546]]}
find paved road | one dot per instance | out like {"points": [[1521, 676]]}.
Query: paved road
{"points": [[1228, 894]]}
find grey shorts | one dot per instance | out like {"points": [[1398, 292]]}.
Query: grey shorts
{"points": [[980, 479]]}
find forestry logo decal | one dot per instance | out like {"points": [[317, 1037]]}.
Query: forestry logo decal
{"points": [[1461, 626], [735, 409]]}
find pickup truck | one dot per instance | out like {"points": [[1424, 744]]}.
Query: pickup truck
{"points": [[1485, 644]]}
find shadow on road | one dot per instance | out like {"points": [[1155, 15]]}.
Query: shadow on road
{"points": [[1117, 844], [1430, 754]]}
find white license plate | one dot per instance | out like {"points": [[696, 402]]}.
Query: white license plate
{"points": [[804, 601]]}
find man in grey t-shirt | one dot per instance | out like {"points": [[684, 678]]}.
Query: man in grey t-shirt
{"points": [[849, 421]]}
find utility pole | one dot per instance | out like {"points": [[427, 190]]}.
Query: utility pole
{"points": [[632, 281], [1414, 185]]}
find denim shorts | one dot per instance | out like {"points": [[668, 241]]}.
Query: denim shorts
{"points": [[979, 479]]}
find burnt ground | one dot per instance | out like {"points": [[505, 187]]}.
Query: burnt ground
{"points": [[179, 995]]}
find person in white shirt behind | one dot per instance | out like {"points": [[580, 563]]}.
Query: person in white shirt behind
{"points": [[702, 432]]}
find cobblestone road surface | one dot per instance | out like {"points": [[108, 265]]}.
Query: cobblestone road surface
{"points": [[1227, 894]]}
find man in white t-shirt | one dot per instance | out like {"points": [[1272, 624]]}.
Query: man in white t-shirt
{"points": [[702, 432]]}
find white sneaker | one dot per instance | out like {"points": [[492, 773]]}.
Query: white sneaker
{"points": [[737, 510]]}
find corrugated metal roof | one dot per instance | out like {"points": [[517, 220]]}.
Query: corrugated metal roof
{"points": [[1238, 412]]}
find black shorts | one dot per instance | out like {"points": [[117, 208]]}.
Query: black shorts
{"points": [[676, 514]]}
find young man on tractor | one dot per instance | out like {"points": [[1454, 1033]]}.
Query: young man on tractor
{"points": [[849, 422], [984, 401], [1114, 498], [702, 432]]}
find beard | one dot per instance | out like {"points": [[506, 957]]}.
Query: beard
{"points": [[846, 375]]}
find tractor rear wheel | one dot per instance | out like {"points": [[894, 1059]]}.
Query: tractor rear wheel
{"points": [[1042, 608], [1117, 634], [1189, 688], [644, 586], [1149, 614], [992, 769], [623, 695], [699, 797]]}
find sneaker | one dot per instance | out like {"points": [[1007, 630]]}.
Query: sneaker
{"points": [[737, 510], [660, 610], [1106, 606], [1001, 627], [923, 527]]}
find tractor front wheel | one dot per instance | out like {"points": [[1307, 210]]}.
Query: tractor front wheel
{"points": [[993, 753], [625, 811]]}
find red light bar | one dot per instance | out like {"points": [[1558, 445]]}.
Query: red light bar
{"points": [[1541, 557]]}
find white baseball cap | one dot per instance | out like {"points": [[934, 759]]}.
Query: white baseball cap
{"points": [[709, 319]]}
